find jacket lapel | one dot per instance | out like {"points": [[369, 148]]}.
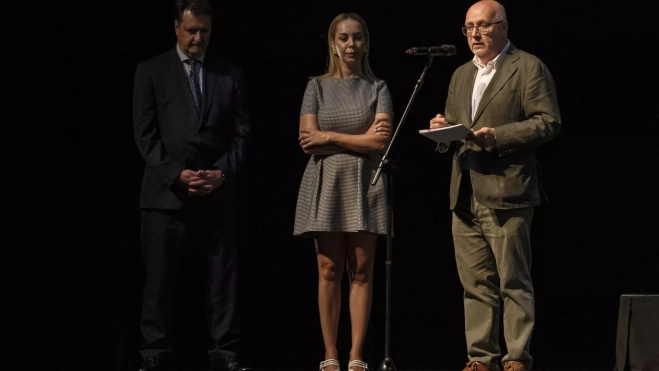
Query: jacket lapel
{"points": [[463, 94], [210, 80], [503, 74], [467, 89]]}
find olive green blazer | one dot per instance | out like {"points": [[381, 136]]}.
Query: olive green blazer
{"points": [[520, 103]]}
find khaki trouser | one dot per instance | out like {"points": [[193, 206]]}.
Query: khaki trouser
{"points": [[493, 255]]}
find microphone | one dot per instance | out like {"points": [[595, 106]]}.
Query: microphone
{"points": [[445, 50]]}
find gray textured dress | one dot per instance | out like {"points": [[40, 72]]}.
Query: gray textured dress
{"points": [[336, 193]]}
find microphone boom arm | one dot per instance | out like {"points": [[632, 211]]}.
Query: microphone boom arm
{"points": [[419, 83]]}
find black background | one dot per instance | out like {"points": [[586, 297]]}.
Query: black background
{"points": [[73, 177]]}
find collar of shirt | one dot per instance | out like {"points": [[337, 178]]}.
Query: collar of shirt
{"points": [[184, 57], [494, 63]]}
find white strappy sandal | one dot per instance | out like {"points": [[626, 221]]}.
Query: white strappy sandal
{"points": [[329, 362], [357, 363]]}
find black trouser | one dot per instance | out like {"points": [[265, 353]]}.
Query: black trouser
{"points": [[187, 252]]}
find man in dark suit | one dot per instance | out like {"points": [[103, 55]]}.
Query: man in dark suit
{"points": [[191, 126], [508, 98]]}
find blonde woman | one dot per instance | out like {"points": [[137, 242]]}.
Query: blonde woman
{"points": [[345, 124]]}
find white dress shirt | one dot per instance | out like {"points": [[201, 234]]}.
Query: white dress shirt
{"points": [[484, 76]]}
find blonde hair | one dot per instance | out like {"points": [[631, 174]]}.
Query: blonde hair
{"points": [[332, 67]]}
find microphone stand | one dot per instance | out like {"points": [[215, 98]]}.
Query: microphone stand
{"points": [[389, 168]]}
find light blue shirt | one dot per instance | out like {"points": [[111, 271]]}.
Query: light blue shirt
{"points": [[199, 68]]}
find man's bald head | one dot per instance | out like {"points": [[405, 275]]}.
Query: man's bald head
{"points": [[494, 7], [491, 14]]}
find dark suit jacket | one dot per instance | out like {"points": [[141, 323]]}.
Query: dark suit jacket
{"points": [[520, 103], [172, 136]]}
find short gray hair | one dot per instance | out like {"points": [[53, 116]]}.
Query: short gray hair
{"points": [[501, 13]]}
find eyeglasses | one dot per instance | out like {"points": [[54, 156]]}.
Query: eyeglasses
{"points": [[483, 28]]}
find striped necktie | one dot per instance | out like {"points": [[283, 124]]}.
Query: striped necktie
{"points": [[194, 85]]}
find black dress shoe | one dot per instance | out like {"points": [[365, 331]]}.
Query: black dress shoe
{"points": [[153, 363], [229, 364]]}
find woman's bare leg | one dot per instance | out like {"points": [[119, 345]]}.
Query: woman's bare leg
{"points": [[360, 257], [330, 252]]}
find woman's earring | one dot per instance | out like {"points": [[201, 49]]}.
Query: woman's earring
{"points": [[334, 51]]}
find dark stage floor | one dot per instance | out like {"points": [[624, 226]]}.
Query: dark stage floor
{"points": [[404, 369], [374, 368]]}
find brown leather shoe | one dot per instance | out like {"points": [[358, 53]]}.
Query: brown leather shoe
{"points": [[477, 366], [514, 366]]}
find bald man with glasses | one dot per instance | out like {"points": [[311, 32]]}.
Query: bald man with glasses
{"points": [[508, 98]]}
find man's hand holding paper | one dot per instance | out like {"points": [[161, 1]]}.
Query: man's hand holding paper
{"points": [[443, 132], [439, 121]]}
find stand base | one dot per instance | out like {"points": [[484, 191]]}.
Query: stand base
{"points": [[387, 365]]}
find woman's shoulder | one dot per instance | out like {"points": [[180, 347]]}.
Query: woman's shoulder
{"points": [[379, 80], [313, 80], [322, 82], [379, 84], [313, 83]]}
